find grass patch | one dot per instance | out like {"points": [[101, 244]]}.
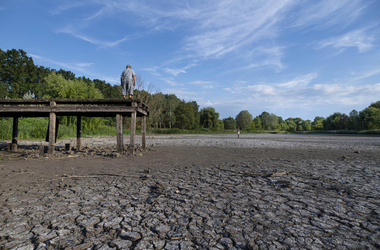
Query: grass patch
{"points": [[36, 129]]}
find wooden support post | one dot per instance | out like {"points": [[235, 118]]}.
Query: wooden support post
{"points": [[131, 148], [52, 121], [79, 132], [119, 134], [143, 131], [14, 134]]}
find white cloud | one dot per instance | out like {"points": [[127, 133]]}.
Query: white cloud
{"points": [[101, 43], [321, 14], [298, 92], [203, 84], [174, 72], [300, 81], [261, 89], [84, 68], [247, 23], [68, 5], [200, 82], [214, 29], [77, 66], [182, 93], [152, 70], [356, 38], [366, 74], [338, 90], [173, 83]]}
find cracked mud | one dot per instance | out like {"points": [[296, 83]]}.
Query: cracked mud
{"points": [[198, 192]]}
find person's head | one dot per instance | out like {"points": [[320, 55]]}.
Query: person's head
{"points": [[129, 66]]}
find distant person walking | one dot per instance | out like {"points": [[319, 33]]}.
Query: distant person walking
{"points": [[127, 85], [238, 132]]}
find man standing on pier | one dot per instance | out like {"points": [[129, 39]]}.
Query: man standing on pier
{"points": [[127, 85]]}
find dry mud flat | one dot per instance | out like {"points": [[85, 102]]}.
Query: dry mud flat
{"points": [[199, 192]]}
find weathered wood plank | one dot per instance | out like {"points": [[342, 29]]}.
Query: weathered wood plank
{"points": [[14, 134], [57, 109], [119, 133], [70, 101], [79, 132], [143, 132], [131, 147], [52, 119]]}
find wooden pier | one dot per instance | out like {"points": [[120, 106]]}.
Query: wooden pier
{"points": [[80, 108]]}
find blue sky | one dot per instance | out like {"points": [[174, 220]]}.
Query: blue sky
{"points": [[293, 58]]}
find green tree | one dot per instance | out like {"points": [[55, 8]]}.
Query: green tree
{"points": [[108, 91], [185, 117], [306, 125], [292, 126], [17, 74], [284, 126], [58, 87], [375, 105], [171, 102], [370, 117], [264, 117], [196, 114], [244, 120], [229, 123], [317, 124], [68, 75], [298, 122], [153, 98], [257, 124], [336, 121], [272, 122], [209, 118], [219, 125], [354, 121]]}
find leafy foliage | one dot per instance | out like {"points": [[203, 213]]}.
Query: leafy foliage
{"points": [[244, 120], [185, 115], [209, 118], [229, 123]]}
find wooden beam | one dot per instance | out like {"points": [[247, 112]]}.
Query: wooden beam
{"points": [[143, 132], [79, 132], [14, 134], [131, 148], [67, 109], [119, 133], [52, 120]]}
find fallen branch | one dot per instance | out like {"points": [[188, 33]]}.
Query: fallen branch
{"points": [[279, 174], [26, 173], [119, 175], [184, 237], [156, 200], [265, 175]]}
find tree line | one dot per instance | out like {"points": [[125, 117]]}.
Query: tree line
{"points": [[21, 78], [367, 119]]}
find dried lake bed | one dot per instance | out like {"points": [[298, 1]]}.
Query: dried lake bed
{"points": [[196, 192]]}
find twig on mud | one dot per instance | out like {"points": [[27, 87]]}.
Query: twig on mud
{"points": [[278, 174], [97, 176], [66, 157], [119, 175], [88, 176], [25, 173], [184, 237], [156, 200]]}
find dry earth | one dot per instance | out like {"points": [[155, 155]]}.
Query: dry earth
{"points": [[194, 192]]}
